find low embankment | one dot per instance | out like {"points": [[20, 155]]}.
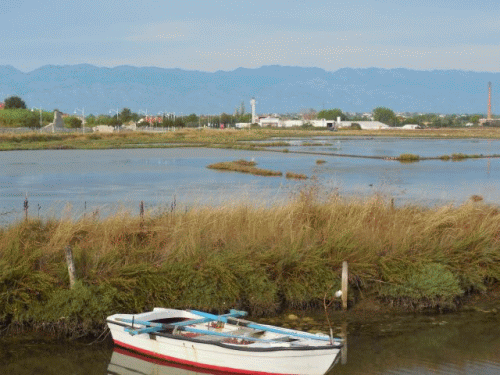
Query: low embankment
{"points": [[268, 138], [262, 259]]}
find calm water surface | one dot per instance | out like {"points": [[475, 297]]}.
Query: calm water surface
{"points": [[457, 344], [78, 182]]}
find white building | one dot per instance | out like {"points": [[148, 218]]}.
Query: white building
{"points": [[365, 125], [291, 123], [270, 121], [411, 126], [242, 125]]}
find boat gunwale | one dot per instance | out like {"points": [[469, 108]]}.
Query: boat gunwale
{"points": [[335, 346]]}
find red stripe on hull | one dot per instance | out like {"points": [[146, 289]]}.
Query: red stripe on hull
{"points": [[194, 364]]}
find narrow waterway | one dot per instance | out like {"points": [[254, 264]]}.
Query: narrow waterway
{"points": [[452, 344]]}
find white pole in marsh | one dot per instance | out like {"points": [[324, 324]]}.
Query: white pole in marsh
{"points": [[345, 282], [71, 266]]}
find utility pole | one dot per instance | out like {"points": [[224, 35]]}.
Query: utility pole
{"points": [[39, 109], [83, 117], [145, 114], [489, 101], [114, 111]]}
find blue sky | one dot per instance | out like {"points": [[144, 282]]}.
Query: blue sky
{"points": [[211, 35]]}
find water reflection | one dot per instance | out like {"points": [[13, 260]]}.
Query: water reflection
{"points": [[455, 344], [124, 362], [452, 344]]}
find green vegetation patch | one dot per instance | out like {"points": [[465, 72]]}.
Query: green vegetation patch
{"points": [[315, 144], [408, 158], [295, 176], [243, 166], [458, 156], [273, 144], [428, 285]]}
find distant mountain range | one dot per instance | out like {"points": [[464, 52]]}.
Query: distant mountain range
{"points": [[277, 89]]}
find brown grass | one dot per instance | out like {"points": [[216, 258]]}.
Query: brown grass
{"points": [[243, 166], [296, 176]]}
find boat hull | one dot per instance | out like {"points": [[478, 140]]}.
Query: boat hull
{"points": [[228, 358]]}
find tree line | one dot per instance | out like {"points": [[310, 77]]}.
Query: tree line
{"points": [[16, 114], [389, 117]]}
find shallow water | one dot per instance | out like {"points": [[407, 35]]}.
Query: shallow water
{"points": [[454, 344], [83, 182]]}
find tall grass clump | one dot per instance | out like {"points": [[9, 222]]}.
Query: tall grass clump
{"points": [[259, 258], [243, 166], [295, 176], [408, 158], [458, 156]]}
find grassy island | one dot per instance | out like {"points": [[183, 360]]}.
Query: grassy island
{"points": [[259, 258], [243, 166]]}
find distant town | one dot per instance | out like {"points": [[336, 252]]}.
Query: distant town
{"points": [[15, 114]]}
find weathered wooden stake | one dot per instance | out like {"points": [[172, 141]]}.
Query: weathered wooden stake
{"points": [[343, 351], [26, 205], [71, 266], [345, 282]]}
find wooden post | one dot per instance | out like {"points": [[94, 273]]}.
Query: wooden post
{"points": [[141, 209], [71, 266], [26, 205], [345, 282], [343, 351]]}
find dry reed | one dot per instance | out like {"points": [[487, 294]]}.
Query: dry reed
{"points": [[247, 256]]}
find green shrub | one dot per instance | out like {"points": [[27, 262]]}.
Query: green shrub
{"points": [[15, 118], [430, 284]]}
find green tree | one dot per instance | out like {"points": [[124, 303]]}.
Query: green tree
{"points": [[13, 102], [127, 115], [90, 120], [167, 122], [73, 122], [385, 115], [179, 122], [226, 119], [191, 118], [247, 117], [474, 119], [331, 114]]}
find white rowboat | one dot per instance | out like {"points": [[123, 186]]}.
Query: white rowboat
{"points": [[224, 343]]}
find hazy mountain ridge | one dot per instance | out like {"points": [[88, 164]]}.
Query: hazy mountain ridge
{"points": [[276, 89]]}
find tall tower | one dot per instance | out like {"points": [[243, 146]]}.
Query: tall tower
{"points": [[254, 117], [489, 101]]}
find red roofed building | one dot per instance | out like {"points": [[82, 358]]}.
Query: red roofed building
{"points": [[2, 105]]}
